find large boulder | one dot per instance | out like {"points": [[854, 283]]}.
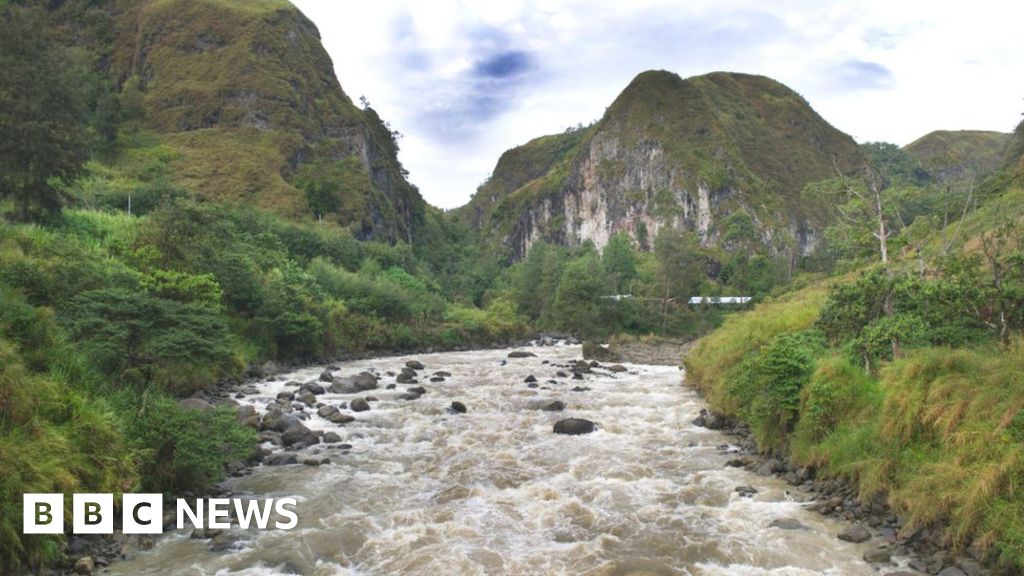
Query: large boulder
{"points": [[855, 534], [344, 386], [277, 421], [299, 434], [312, 387], [306, 397], [365, 381], [574, 426], [326, 410], [247, 416]]}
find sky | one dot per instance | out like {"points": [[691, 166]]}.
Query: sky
{"points": [[464, 81]]}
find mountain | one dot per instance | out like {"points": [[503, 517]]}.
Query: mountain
{"points": [[959, 153], [675, 152], [243, 96]]}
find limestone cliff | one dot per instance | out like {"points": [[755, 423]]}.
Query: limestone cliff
{"points": [[670, 152]]}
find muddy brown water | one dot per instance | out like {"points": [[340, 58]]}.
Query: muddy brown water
{"points": [[494, 491]]}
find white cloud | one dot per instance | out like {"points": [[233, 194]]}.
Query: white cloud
{"points": [[465, 81]]}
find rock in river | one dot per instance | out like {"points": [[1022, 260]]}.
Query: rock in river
{"points": [[458, 407], [556, 406], [574, 426], [855, 534], [359, 405], [415, 365], [299, 434], [521, 354]]}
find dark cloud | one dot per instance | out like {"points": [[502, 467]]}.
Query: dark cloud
{"points": [[862, 75], [504, 64]]}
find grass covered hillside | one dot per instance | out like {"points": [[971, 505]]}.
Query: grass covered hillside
{"points": [[904, 378], [243, 99], [960, 153]]}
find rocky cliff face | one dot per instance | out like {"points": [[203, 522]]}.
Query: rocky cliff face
{"points": [[671, 153], [246, 94]]}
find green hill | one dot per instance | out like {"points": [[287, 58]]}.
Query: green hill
{"points": [[959, 153], [670, 152], [241, 97]]}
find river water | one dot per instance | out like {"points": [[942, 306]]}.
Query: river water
{"points": [[494, 491]]}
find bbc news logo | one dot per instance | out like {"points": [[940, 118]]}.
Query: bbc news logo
{"points": [[143, 513]]}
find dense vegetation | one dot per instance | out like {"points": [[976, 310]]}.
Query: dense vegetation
{"points": [[150, 249], [903, 375]]}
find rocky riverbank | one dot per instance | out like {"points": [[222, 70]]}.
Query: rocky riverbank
{"points": [[896, 551]]}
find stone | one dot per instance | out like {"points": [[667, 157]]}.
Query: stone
{"points": [[878, 555], [247, 416], [617, 368], [556, 406], [344, 386], [415, 365], [331, 438], [297, 433], [574, 426], [458, 407], [280, 459], [285, 396], [365, 381], [855, 534], [276, 421], [359, 405], [84, 565], [326, 410], [442, 374], [787, 524], [530, 378], [745, 491], [312, 387], [405, 378], [340, 417], [521, 354], [417, 390], [306, 397], [436, 379], [326, 376]]}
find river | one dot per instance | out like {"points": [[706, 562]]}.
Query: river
{"points": [[494, 491]]}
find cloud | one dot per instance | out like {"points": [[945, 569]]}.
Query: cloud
{"points": [[503, 65], [861, 75], [465, 81]]}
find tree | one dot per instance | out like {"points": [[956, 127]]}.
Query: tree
{"points": [[44, 121], [619, 262], [578, 304], [679, 263]]}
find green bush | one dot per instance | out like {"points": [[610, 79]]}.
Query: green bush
{"points": [[768, 384], [184, 450]]}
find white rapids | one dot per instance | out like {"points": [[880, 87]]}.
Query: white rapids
{"points": [[494, 491]]}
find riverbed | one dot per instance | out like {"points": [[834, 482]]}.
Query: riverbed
{"points": [[425, 490]]}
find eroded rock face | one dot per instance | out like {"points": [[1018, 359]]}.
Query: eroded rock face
{"points": [[670, 153]]}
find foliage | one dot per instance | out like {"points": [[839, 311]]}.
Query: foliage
{"points": [[44, 132], [183, 450]]}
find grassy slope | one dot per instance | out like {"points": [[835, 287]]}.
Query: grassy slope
{"points": [[941, 430], [961, 152], [243, 92]]}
